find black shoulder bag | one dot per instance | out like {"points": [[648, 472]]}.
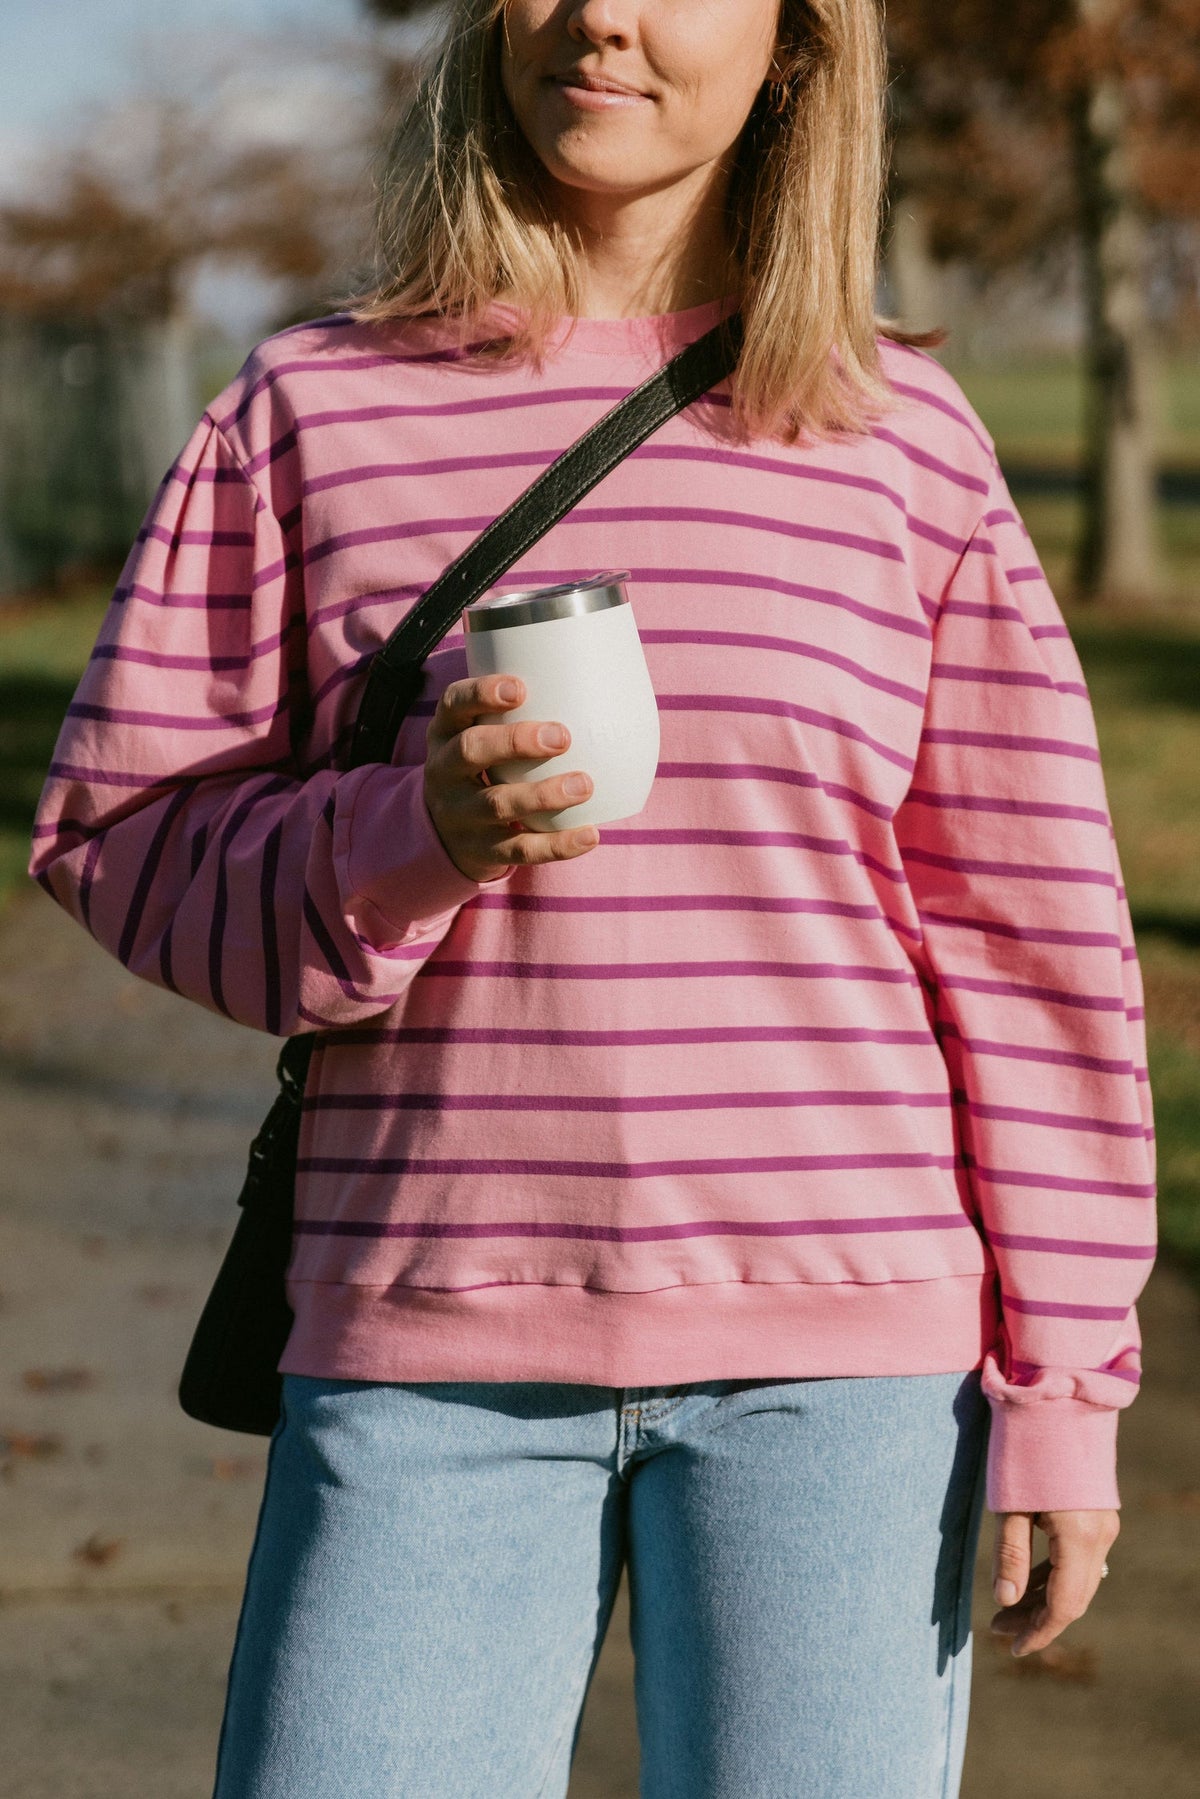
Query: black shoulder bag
{"points": [[231, 1376]]}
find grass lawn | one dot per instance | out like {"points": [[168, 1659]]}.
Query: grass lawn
{"points": [[1035, 410]]}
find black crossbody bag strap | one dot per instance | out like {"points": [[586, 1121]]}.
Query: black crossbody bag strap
{"points": [[395, 676], [230, 1378]]}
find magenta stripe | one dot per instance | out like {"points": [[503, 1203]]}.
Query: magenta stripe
{"points": [[610, 515], [824, 846], [720, 580], [124, 652], [615, 1171], [168, 721], [427, 466], [987, 609], [1023, 933], [320, 365], [668, 971], [1033, 573], [323, 940], [1066, 1121], [1028, 1052], [1022, 871], [148, 870], [924, 459], [1061, 1183], [657, 452], [765, 771], [1075, 1246], [998, 740], [1006, 677], [617, 1103], [361, 1037], [86, 878], [940, 405], [1020, 990], [363, 602], [1048, 1308], [272, 969], [638, 1233], [510, 901], [750, 640], [768, 708], [194, 602], [106, 777], [216, 932], [64, 827], [1015, 808]]}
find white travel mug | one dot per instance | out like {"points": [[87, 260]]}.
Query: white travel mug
{"points": [[577, 650]]}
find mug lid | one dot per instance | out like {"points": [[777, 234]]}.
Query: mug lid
{"points": [[533, 605]]}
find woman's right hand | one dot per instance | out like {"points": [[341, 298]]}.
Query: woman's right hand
{"points": [[480, 825]]}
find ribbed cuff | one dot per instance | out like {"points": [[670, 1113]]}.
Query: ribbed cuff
{"points": [[400, 876], [1052, 1455]]}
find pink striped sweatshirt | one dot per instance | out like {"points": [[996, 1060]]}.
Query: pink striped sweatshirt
{"points": [[829, 1062]]}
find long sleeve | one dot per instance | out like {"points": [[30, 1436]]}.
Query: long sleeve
{"points": [[178, 824], [1008, 846]]}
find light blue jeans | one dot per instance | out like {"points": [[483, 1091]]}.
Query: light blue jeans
{"points": [[435, 1565]]}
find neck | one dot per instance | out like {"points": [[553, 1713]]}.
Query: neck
{"points": [[650, 253]]}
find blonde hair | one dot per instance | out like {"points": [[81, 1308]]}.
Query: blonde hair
{"points": [[462, 216]]}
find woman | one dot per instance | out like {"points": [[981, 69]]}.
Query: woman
{"points": [[741, 1193]]}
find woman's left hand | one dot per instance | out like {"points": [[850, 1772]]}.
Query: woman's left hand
{"points": [[1037, 1606]]}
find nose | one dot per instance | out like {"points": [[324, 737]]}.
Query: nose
{"points": [[601, 21]]}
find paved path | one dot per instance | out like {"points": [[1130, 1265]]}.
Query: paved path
{"points": [[124, 1527]]}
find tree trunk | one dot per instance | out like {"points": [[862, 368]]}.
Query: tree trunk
{"points": [[914, 278], [1117, 554]]}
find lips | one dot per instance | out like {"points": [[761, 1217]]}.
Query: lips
{"points": [[598, 84]]}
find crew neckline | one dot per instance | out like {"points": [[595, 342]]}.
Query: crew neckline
{"points": [[615, 337]]}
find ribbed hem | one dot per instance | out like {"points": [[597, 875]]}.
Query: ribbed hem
{"points": [[655, 334], [1052, 1455], [401, 876], [731, 1331]]}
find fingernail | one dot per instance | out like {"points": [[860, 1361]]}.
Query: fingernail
{"points": [[508, 690], [552, 737], [576, 785], [1006, 1592]]}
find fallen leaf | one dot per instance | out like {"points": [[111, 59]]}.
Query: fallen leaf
{"points": [[98, 1551], [58, 1380], [160, 1293], [30, 1446], [229, 1467]]}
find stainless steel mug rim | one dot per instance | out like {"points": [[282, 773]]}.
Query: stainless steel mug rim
{"points": [[533, 605]]}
